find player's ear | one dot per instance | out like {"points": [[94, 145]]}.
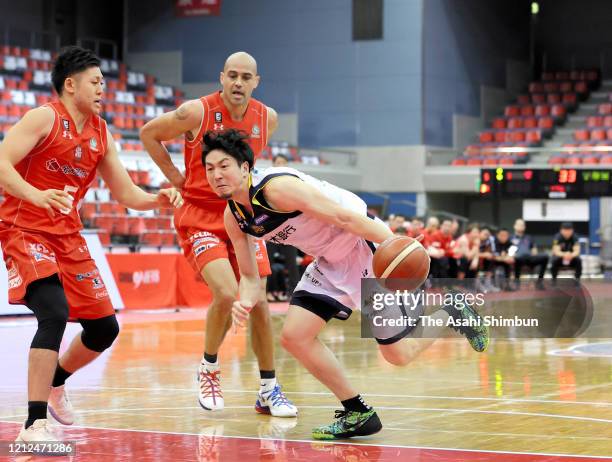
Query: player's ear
{"points": [[221, 77], [256, 80], [69, 85]]}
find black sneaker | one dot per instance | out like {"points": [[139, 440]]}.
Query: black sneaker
{"points": [[470, 324], [349, 424]]}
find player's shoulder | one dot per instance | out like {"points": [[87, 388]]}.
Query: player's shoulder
{"points": [[41, 118]]}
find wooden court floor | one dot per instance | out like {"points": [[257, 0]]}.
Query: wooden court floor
{"points": [[523, 400]]}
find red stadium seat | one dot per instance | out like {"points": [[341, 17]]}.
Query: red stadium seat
{"points": [[472, 150], [459, 161], [548, 76], [542, 110], [153, 239], [561, 75], [527, 111], [499, 123], [553, 98], [88, 210], [598, 134], [591, 160], [607, 121], [167, 239], [530, 122], [136, 226], [490, 161], [515, 122], [556, 160], [474, 161], [534, 136], [486, 137], [500, 137], [581, 135], [581, 88], [576, 75], [506, 161], [551, 87], [574, 160], [570, 99], [565, 87], [517, 136], [609, 133], [605, 109], [594, 121], [558, 111], [512, 111], [546, 123], [536, 87], [606, 159], [523, 99], [538, 98], [104, 237]]}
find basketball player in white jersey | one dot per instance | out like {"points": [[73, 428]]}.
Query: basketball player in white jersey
{"points": [[285, 206]]}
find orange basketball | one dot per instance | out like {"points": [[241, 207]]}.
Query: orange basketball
{"points": [[402, 257]]}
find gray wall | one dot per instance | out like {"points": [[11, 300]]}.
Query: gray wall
{"points": [[345, 93]]}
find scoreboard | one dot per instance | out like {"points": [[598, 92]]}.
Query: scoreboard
{"points": [[550, 183]]}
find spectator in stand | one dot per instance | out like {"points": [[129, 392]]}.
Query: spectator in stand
{"points": [[527, 254], [417, 227], [566, 252], [433, 226], [487, 260], [438, 248], [396, 222], [466, 252], [455, 228], [504, 256], [280, 160]]}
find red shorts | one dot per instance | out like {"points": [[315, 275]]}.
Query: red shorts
{"points": [[203, 238], [30, 256]]}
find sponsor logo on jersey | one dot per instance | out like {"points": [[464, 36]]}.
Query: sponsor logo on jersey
{"points": [[218, 127], [89, 274], [255, 131], [102, 294], [261, 218], [14, 278], [97, 283], [41, 253], [66, 132], [93, 145], [283, 234], [218, 117], [78, 153], [53, 166], [258, 229]]}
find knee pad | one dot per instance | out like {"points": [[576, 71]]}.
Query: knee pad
{"points": [[99, 334], [47, 301]]}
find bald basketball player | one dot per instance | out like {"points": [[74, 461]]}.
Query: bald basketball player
{"points": [[285, 206], [200, 225]]}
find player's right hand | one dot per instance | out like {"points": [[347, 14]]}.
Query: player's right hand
{"points": [[240, 314], [53, 199]]}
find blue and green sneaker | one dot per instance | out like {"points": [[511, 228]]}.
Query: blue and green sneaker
{"points": [[349, 424]]}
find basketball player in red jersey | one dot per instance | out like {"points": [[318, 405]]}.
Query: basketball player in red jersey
{"points": [[47, 162], [200, 225]]}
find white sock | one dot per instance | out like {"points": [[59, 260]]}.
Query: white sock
{"points": [[267, 384]]}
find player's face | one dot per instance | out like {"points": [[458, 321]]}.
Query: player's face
{"points": [[87, 88], [519, 226], [238, 81], [567, 233], [224, 174], [445, 227], [503, 236]]}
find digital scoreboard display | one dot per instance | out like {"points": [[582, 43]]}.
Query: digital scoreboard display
{"points": [[553, 183]]}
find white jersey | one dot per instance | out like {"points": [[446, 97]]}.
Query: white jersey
{"points": [[311, 235]]}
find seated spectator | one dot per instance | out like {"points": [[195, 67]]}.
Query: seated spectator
{"points": [[280, 160], [566, 251], [439, 248], [396, 222], [455, 228], [487, 259], [433, 226], [527, 253], [502, 255], [466, 252], [416, 227]]}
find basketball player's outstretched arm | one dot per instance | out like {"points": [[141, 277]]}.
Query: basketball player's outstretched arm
{"points": [[32, 129], [249, 286], [125, 191], [287, 193], [185, 120]]}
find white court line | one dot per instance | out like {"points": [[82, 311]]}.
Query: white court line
{"points": [[351, 443], [377, 395], [383, 408]]}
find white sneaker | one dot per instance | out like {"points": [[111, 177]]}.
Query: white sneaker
{"points": [[275, 402], [59, 406], [38, 431], [210, 395]]}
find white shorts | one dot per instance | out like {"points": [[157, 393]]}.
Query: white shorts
{"points": [[333, 290]]}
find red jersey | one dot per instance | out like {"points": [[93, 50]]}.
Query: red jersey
{"points": [[64, 160], [441, 241], [217, 118]]}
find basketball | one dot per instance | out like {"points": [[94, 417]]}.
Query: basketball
{"points": [[402, 257]]}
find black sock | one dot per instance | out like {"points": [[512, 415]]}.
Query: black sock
{"points": [[60, 376], [267, 374], [210, 358], [36, 410], [356, 404]]}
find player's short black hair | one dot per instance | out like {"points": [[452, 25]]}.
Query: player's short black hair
{"points": [[567, 225], [280, 156], [232, 142], [70, 61]]}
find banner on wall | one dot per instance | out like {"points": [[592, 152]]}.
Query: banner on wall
{"points": [[188, 8]]}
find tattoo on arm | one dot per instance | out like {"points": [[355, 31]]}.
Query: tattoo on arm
{"points": [[181, 113]]}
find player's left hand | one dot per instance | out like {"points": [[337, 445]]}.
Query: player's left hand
{"points": [[240, 314], [170, 197]]}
